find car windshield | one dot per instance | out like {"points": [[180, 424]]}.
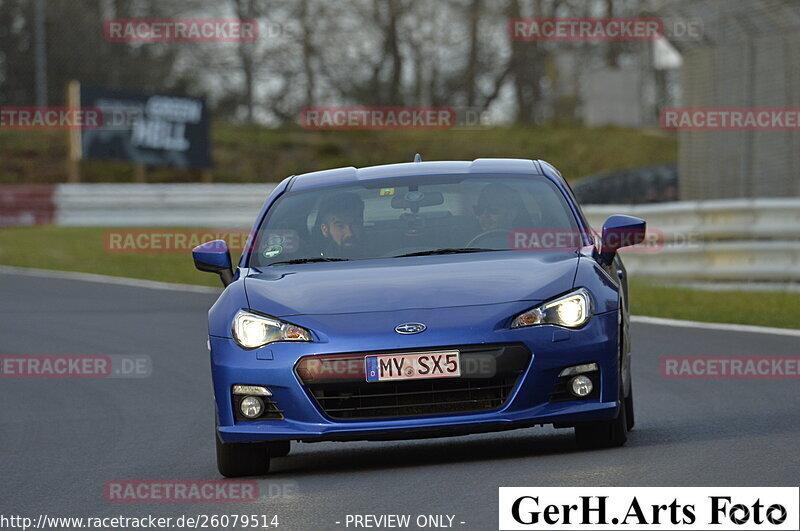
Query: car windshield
{"points": [[413, 216]]}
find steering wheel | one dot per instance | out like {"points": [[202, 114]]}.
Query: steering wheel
{"points": [[490, 236]]}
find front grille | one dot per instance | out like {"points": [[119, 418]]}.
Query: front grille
{"points": [[488, 376]]}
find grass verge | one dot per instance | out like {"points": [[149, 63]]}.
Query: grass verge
{"points": [[83, 249], [780, 309]]}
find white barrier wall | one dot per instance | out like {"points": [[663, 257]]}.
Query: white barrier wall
{"points": [[747, 239], [742, 239], [727, 219], [228, 206]]}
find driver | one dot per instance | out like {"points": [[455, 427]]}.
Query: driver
{"points": [[499, 207], [340, 225]]}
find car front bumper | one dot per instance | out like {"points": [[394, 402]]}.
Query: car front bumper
{"points": [[553, 349]]}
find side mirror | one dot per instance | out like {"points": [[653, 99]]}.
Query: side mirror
{"points": [[618, 232], [214, 257]]}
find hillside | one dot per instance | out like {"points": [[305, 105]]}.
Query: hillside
{"points": [[253, 153]]}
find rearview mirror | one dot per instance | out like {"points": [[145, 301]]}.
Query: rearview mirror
{"points": [[618, 232], [214, 257], [415, 199]]}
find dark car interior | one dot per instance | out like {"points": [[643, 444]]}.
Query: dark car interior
{"points": [[406, 219]]}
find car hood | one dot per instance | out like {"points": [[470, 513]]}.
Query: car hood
{"points": [[408, 283]]}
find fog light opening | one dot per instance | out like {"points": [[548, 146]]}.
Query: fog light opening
{"points": [[251, 406], [581, 386]]}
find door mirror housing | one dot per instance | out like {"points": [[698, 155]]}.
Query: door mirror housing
{"points": [[214, 257], [618, 232]]}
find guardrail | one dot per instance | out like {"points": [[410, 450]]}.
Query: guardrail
{"points": [[725, 240], [727, 219], [229, 206]]}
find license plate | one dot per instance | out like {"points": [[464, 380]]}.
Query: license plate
{"points": [[416, 366]]}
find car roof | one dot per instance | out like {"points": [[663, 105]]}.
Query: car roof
{"points": [[411, 169]]}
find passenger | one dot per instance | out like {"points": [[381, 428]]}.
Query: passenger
{"points": [[499, 207]]}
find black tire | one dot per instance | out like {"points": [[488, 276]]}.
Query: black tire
{"points": [[628, 399], [629, 408], [604, 433], [279, 448], [242, 459]]}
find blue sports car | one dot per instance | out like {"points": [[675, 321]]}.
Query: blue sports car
{"points": [[420, 299]]}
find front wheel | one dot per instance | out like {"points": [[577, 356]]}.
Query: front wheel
{"points": [[279, 448], [604, 433], [242, 459]]}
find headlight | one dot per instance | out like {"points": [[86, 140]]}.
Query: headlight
{"points": [[571, 310], [253, 331]]}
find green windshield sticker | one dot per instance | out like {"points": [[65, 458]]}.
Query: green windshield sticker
{"points": [[272, 250]]}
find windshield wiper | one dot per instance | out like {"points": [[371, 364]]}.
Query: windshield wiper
{"points": [[310, 260], [448, 250]]}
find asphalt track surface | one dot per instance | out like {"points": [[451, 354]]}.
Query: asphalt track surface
{"points": [[61, 440]]}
